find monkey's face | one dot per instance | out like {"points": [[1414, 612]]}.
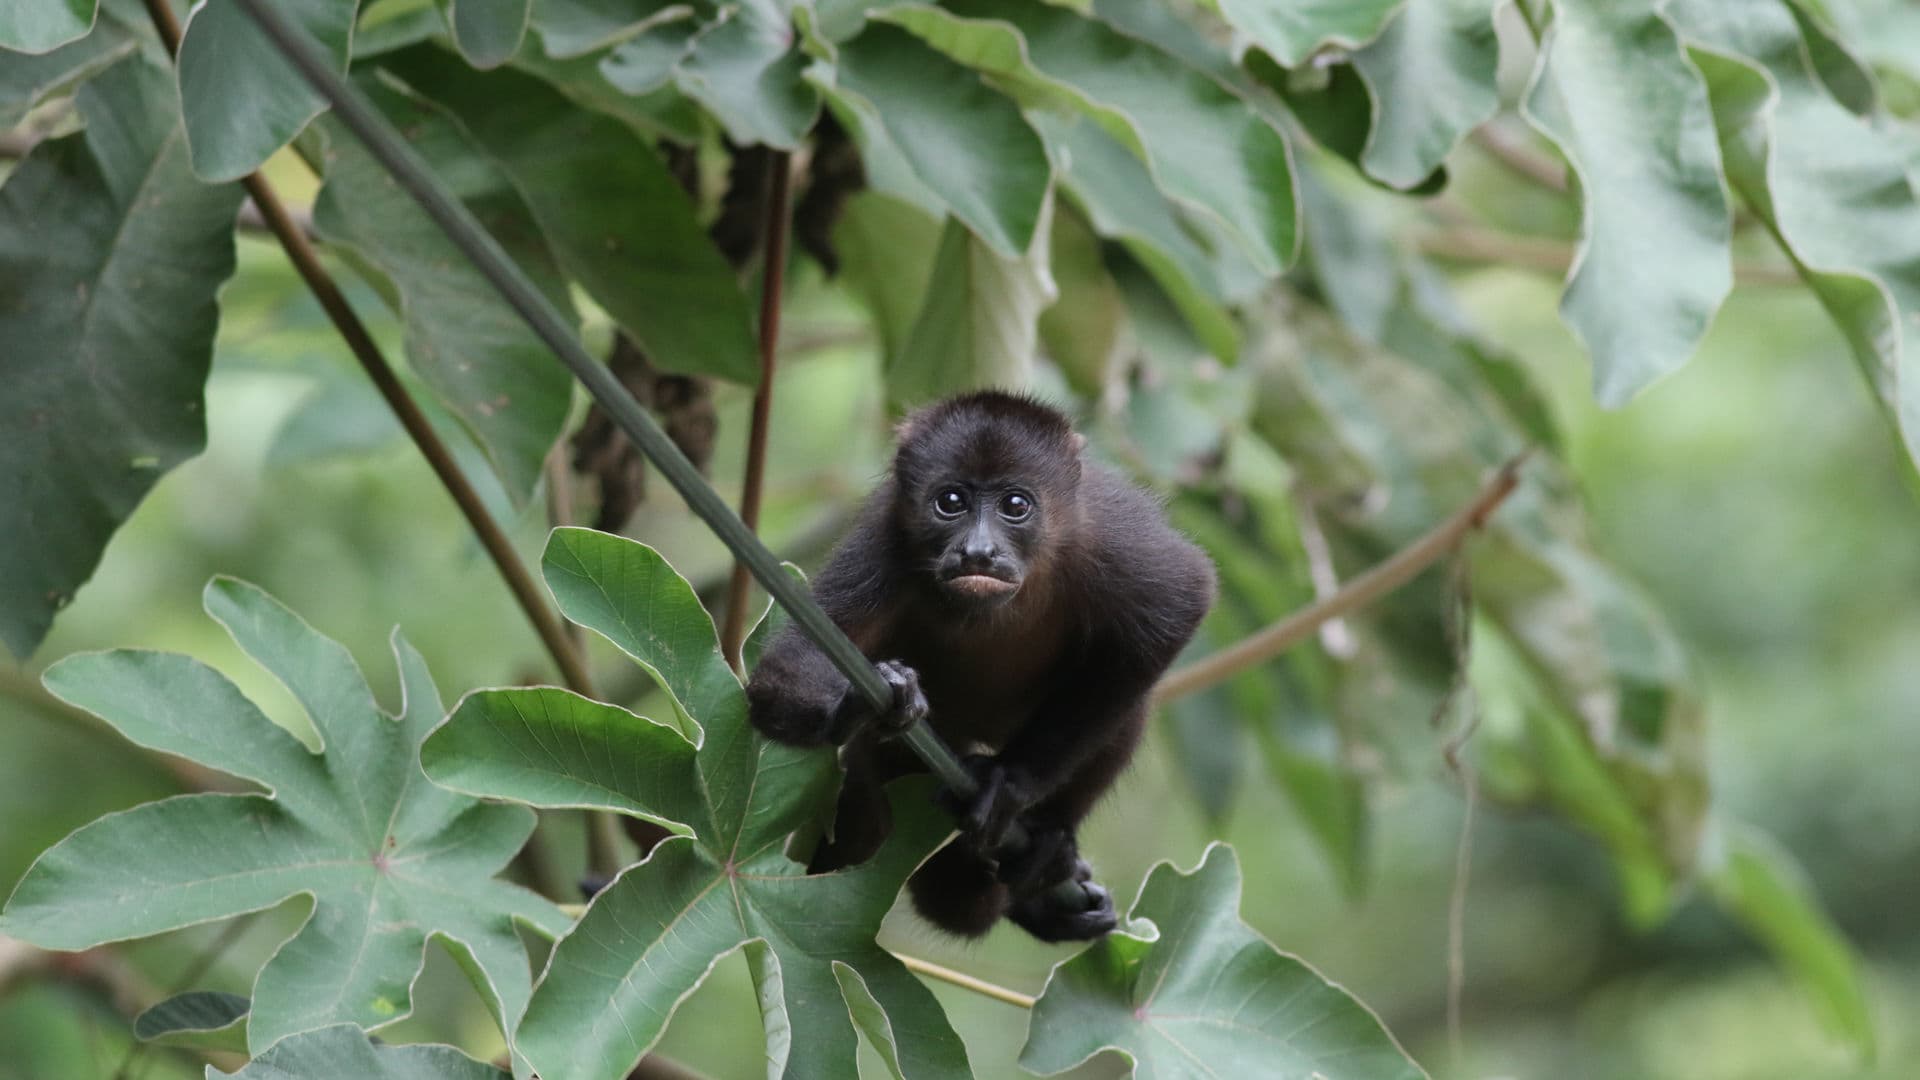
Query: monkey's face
{"points": [[979, 538], [985, 485]]}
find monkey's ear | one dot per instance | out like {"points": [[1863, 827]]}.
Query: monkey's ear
{"points": [[1079, 442]]}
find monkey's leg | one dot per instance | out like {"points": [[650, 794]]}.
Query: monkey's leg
{"points": [[958, 891], [1053, 852]]}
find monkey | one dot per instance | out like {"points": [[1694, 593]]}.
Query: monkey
{"points": [[1024, 600]]}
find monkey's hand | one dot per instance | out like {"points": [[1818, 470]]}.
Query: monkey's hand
{"points": [[854, 714], [1002, 794]]}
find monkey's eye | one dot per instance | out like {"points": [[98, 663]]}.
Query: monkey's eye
{"points": [[951, 502], [1016, 507]]}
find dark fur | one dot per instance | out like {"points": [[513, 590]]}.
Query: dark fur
{"points": [[1051, 682]]}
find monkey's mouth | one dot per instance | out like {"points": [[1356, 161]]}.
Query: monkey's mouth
{"points": [[981, 586]]}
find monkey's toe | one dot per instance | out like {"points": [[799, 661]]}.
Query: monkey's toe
{"points": [[1042, 916]]}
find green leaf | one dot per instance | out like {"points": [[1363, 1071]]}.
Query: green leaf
{"points": [[1608, 729], [1118, 195], [1204, 146], [469, 348], [111, 252], [1187, 989], [612, 214], [487, 32], [40, 26], [343, 1050], [1759, 882], [646, 62], [745, 68], [887, 249], [626, 592], [964, 141], [1834, 190], [1615, 92], [387, 859], [203, 1019], [570, 28], [978, 325], [1085, 332], [1291, 32], [652, 936], [26, 80], [1431, 77], [243, 101]]}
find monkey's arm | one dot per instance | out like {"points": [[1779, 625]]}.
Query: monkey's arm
{"points": [[796, 695]]}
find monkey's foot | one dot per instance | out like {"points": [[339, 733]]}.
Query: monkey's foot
{"points": [[1050, 857], [1047, 919]]}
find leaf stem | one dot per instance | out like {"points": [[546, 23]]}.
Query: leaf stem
{"points": [[1396, 571], [967, 982], [293, 239], [1469, 244], [773, 269]]}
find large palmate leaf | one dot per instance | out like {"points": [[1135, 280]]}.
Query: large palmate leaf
{"points": [[1614, 90], [1204, 146], [653, 935], [1835, 190], [343, 1050], [110, 254], [1185, 989], [470, 348], [386, 858], [242, 101], [613, 215]]}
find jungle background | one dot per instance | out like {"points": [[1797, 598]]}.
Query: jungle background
{"points": [[1757, 498]]}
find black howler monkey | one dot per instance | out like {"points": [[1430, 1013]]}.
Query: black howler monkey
{"points": [[1025, 600]]}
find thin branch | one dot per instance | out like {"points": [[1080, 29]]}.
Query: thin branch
{"points": [[307, 261], [778, 223], [1401, 568], [1553, 256], [1457, 921], [1519, 158], [966, 981], [604, 856], [253, 220]]}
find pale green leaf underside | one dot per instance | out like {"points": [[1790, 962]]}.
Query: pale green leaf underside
{"points": [[386, 858], [1188, 990], [1615, 92]]}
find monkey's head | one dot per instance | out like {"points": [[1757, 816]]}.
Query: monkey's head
{"points": [[986, 485]]}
